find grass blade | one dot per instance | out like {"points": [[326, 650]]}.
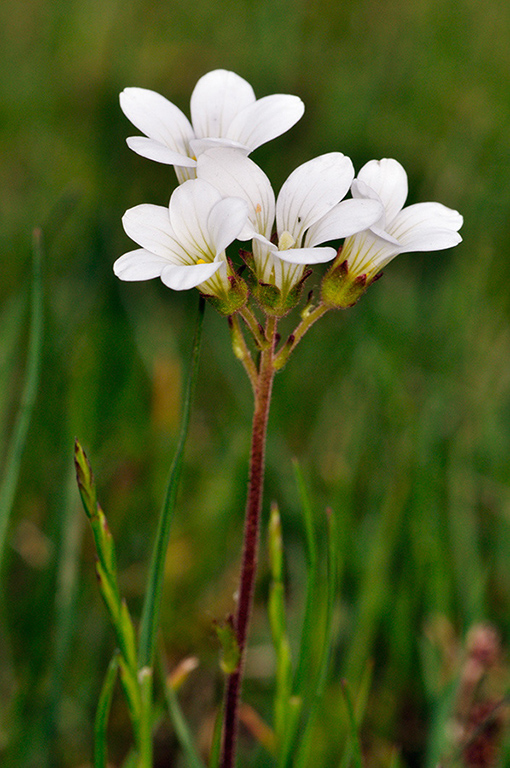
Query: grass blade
{"points": [[152, 602], [214, 758], [305, 646], [356, 756], [179, 723], [102, 713], [332, 566], [17, 443]]}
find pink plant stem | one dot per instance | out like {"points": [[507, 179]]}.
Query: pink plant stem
{"points": [[251, 538]]}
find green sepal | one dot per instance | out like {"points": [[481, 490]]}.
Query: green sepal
{"points": [[340, 289], [232, 301], [275, 302], [230, 654]]}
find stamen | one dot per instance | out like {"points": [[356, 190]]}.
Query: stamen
{"points": [[286, 241]]}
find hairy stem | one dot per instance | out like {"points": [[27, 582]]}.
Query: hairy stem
{"points": [[251, 538]]}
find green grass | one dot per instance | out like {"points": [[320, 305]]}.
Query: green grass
{"points": [[398, 409]]}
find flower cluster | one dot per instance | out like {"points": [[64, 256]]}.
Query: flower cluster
{"points": [[224, 196]]}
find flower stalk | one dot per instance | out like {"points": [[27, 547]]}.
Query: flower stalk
{"points": [[263, 391], [309, 317]]}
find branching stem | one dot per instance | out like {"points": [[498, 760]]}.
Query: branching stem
{"points": [[306, 323]]}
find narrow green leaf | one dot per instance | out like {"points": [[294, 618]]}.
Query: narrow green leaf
{"points": [[294, 711], [12, 322], [275, 544], [28, 396], [106, 570], [102, 713], [374, 594], [145, 733], [278, 624], [65, 603], [306, 507], [182, 730], [131, 688], [215, 755], [309, 627], [131, 760], [357, 757], [128, 633], [152, 603], [327, 645]]}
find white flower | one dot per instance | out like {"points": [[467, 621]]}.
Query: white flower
{"points": [[419, 227], [308, 210], [185, 243], [224, 111]]}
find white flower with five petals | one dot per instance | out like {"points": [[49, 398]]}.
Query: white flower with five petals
{"points": [[224, 112], [419, 227], [184, 244], [308, 211]]}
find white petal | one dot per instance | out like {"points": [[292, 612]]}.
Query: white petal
{"points": [[427, 227], [235, 175], [266, 262], [268, 118], [216, 99], [183, 277], [307, 255], [202, 145], [389, 179], [286, 275], [154, 150], [157, 117], [226, 220], [139, 265], [149, 226], [311, 191], [368, 254], [190, 206], [345, 219], [264, 242]]}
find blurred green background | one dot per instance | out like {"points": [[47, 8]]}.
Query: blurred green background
{"points": [[398, 409]]}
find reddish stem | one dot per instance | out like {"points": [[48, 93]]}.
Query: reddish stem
{"points": [[251, 537]]}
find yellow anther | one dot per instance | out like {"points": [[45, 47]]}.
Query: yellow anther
{"points": [[286, 241]]}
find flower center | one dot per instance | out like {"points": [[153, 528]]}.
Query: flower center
{"points": [[285, 241]]}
